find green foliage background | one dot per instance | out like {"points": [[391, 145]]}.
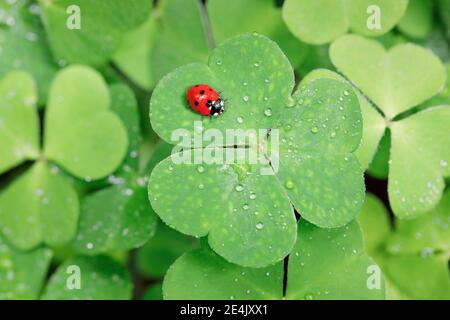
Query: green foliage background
{"points": [[87, 178]]}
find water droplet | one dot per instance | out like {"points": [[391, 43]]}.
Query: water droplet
{"points": [[245, 207], [266, 81], [245, 98], [239, 188], [332, 135], [259, 225], [201, 169], [90, 245], [289, 184], [248, 291], [314, 129], [443, 163], [240, 119], [252, 196], [346, 93], [201, 186], [267, 274], [231, 297], [309, 296], [219, 62], [268, 112], [256, 65]]}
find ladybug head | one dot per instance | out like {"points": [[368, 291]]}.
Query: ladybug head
{"points": [[216, 107]]}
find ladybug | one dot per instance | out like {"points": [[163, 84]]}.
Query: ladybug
{"points": [[205, 100]]}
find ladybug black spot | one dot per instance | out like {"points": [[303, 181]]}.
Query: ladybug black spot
{"points": [[202, 91], [196, 103]]}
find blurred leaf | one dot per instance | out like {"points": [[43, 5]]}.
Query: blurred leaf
{"points": [[396, 81], [379, 167], [425, 235], [81, 133], [153, 293], [38, 207], [417, 21], [375, 224], [102, 24], [230, 18], [321, 21], [22, 274], [181, 37], [19, 132], [115, 218], [423, 140], [101, 279], [23, 44], [134, 55], [156, 256]]}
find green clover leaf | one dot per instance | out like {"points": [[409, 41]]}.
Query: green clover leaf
{"points": [[101, 278], [22, 274], [19, 133], [321, 21], [156, 256], [184, 32], [102, 25], [23, 44], [118, 212], [325, 264], [417, 21], [396, 81], [414, 256], [320, 127], [72, 118], [445, 13], [77, 124]]}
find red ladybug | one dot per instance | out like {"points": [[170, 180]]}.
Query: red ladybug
{"points": [[205, 100]]}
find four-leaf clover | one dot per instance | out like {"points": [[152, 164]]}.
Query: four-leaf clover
{"points": [[248, 215]]}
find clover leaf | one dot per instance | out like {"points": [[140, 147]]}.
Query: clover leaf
{"points": [[183, 31], [133, 57], [321, 21], [102, 25], [22, 273], [414, 256], [325, 264], [417, 21], [230, 18], [81, 135], [23, 44], [156, 256], [100, 278], [396, 81], [445, 9], [249, 212], [116, 217]]}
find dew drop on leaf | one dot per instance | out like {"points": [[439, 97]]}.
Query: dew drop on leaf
{"points": [[268, 112], [289, 184]]}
